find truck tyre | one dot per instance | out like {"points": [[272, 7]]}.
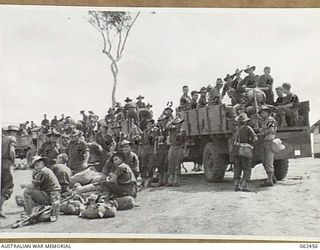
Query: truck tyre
{"points": [[214, 164], [281, 168]]}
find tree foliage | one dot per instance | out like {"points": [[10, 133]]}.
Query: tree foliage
{"points": [[114, 27]]}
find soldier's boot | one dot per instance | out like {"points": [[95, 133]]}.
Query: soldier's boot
{"points": [[2, 200], [170, 181], [274, 179], [237, 185], [28, 205], [147, 182], [55, 210], [165, 178], [161, 182], [269, 182], [176, 181], [245, 186]]}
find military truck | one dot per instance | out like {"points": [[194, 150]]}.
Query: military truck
{"points": [[209, 132]]}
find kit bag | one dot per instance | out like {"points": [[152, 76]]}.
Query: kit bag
{"points": [[242, 149]]}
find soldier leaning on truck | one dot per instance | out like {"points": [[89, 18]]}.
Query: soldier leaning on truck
{"points": [[175, 154], [7, 160], [244, 134], [267, 134]]}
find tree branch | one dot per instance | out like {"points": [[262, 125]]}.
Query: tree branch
{"points": [[127, 33]]}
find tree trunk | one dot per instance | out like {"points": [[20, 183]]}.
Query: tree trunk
{"points": [[114, 71]]}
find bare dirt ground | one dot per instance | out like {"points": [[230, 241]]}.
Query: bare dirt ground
{"points": [[289, 209]]}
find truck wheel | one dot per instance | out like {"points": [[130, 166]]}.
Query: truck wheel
{"points": [[281, 168], [214, 164]]}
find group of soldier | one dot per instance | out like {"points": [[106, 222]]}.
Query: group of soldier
{"points": [[253, 100], [122, 158]]}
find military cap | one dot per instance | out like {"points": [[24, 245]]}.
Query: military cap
{"points": [[203, 89], [12, 128], [177, 120], [242, 118], [140, 97], [37, 158], [228, 77], [250, 67], [149, 105], [128, 99]]}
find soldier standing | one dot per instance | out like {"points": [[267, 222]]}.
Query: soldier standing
{"points": [[7, 161], [78, 152], [140, 103], [251, 80], [175, 154], [45, 124], [243, 134], [194, 99], [144, 115], [203, 98], [214, 96], [163, 149], [265, 83], [50, 149], [267, 134], [131, 110], [237, 94], [227, 88], [185, 99], [147, 153]]}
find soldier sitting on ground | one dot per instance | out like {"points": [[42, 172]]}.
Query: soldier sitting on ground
{"points": [[62, 172], [121, 180], [44, 190]]}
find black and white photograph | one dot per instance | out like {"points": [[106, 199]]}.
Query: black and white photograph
{"points": [[174, 123]]}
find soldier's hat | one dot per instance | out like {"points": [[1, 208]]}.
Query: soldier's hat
{"points": [[250, 67], [228, 77], [151, 121], [140, 97], [149, 105], [128, 99], [177, 120], [242, 118], [12, 128], [125, 142], [237, 72], [91, 112], [161, 117], [76, 132], [203, 89], [37, 158], [168, 108], [54, 132]]}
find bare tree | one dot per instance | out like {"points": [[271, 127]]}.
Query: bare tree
{"points": [[114, 27]]}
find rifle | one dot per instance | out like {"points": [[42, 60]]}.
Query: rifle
{"points": [[256, 125], [35, 215]]}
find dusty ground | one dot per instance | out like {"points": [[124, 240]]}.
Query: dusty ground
{"points": [[289, 209]]}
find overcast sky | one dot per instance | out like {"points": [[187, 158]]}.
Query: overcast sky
{"points": [[52, 60]]}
